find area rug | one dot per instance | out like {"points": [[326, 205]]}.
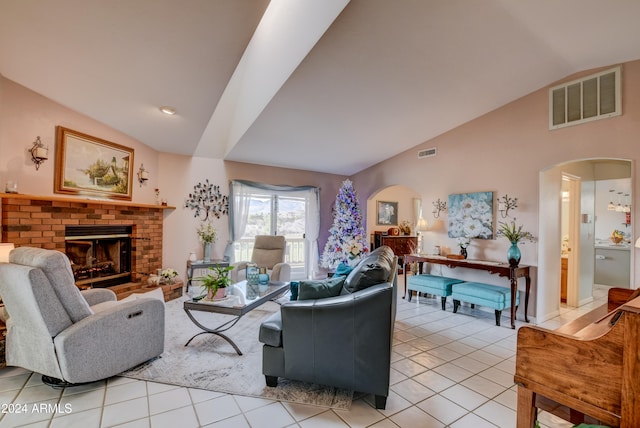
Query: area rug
{"points": [[211, 363]]}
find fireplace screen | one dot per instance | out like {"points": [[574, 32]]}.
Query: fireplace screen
{"points": [[99, 258]]}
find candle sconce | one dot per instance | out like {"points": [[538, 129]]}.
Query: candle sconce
{"points": [[505, 204], [143, 175], [39, 152], [438, 206]]}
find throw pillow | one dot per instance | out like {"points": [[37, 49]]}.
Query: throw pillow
{"points": [[343, 269], [321, 289]]}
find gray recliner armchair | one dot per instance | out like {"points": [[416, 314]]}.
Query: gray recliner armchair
{"points": [[69, 336], [269, 252], [343, 341]]}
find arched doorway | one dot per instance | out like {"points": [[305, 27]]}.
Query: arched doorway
{"points": [[589, 172]]}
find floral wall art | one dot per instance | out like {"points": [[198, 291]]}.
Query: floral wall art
{"points": [[471, 215]]}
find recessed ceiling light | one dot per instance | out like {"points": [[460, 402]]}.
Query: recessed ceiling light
{"points": [[168, 110]]}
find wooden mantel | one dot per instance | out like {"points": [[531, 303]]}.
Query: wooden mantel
{"points": [[86, 200]]}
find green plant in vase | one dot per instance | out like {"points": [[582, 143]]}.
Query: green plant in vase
{"points": [[218, 279], [514, 234], [207, 234]]}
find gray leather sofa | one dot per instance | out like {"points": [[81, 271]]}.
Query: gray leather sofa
{"points": [[70, 336], [343, 341]]}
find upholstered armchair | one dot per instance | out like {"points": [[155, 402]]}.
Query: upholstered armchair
{"points": [[269, 252], [69, 336], [342, 340]]}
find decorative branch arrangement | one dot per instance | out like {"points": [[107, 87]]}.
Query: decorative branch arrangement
{"points": [[438, 206], [206, 199], [505, 204]]}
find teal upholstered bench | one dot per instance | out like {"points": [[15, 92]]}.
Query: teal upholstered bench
{"points": [[476, 293], [432, 284]]}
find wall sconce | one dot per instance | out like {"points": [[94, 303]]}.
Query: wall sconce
{"points": [[505, 204], [143, 175], [438, 206], [39, 153]]}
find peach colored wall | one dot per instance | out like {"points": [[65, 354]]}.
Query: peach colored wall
{"points": [[25, 115], [504, 151]]}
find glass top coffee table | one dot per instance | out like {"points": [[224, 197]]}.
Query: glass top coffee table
{"points": [[241, 298]]}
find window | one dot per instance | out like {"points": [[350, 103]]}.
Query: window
{"points": [[260, 209]]}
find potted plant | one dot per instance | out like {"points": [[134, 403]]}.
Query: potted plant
{"points": [[216, 282], [514, 234]]}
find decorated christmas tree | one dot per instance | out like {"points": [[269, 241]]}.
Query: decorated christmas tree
{"points": [[346, 243]]}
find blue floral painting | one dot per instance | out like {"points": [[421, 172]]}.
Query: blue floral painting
{"points": [[471, 215]]}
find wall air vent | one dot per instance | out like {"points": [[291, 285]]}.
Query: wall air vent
{"points": [[594, 97], [427, 153]]}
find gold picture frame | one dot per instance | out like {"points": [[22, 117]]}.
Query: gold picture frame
{"points": [[87, 165]]}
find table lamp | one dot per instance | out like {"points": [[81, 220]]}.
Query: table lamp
{"points": [[5, 249]]}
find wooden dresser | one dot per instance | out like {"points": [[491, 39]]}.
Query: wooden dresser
{"points": [[400, 245]]}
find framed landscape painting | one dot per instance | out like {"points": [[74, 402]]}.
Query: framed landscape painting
{"points": [[471, 215], [87, 165]]}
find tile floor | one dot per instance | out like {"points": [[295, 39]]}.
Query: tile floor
{"points": [[448, 370]]}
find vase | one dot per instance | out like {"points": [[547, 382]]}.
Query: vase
{"points": [[463, 252], [513, 254], [207, 252]]}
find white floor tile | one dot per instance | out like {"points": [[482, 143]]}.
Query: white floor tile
{"points": [[300, 412], [184, 417], [497, 414], [414, 417], [80, 402], [125, 411], [168, 400], [78, 419], [117, 393], [238, 421], [26, 414], [272, 416], [217, 409], [443, 409], [360, 415], [434, 381], [472, 421], [464, 397], [483, 386], [327, 419], [412, 391]]}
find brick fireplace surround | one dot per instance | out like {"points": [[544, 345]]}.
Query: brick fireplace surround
{"points": [[39, 221]]}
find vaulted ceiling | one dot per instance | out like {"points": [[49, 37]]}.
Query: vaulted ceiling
{"points": [[332, 86]]}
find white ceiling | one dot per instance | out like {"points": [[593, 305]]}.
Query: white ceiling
{"points": [[322, 86]]}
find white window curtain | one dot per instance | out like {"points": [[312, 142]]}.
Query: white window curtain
{"points": [[239, 196]]}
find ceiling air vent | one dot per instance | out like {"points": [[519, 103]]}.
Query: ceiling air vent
{"points": [[590, 98], [427, 153]]}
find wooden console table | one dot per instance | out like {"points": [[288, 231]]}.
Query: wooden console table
{"points": [[501, 269]]}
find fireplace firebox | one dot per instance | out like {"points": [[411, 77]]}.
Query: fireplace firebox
{"points": [[100, 255]]}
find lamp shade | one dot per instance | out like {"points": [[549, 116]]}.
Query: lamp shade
{"points": [[5, 249], [422, 224], [638, 243]]}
